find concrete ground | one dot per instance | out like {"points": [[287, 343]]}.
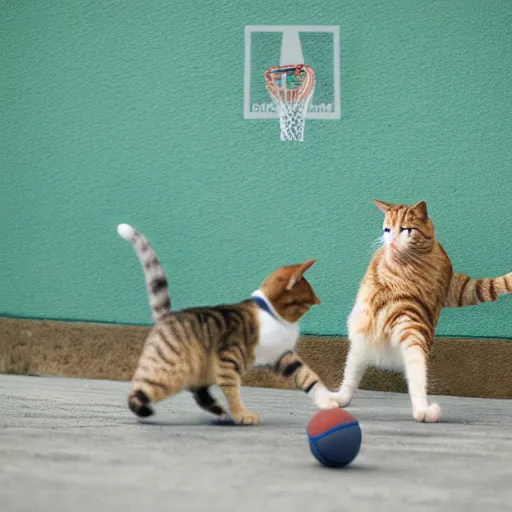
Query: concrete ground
{"points": [[72, 445]]}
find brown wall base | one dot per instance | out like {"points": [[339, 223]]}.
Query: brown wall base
{"points": [[461, 367]]}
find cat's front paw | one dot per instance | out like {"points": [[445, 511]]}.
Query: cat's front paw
{"points": [[323, 398], [431, 414], [246, 418], [343, 397]]}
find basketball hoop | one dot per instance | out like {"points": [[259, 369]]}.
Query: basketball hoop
{"points": [[291, 88]]}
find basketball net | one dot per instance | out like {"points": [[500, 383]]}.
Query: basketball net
{"points": [[291, 87]]}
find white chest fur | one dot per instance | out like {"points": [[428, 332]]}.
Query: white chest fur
{"points": [[276, 336], [374, 348]]}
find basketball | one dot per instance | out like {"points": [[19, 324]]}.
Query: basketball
{"points": [[334, 437]]}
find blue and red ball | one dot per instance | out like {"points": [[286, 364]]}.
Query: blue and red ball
{"points": [[334, 437]]}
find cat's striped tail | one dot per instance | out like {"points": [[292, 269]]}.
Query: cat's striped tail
{"points": [[465, 291], [156, 282]]}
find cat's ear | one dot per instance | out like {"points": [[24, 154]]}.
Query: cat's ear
{"points": [[298, 272], [421, 208], [316, 300], [382, 206]]}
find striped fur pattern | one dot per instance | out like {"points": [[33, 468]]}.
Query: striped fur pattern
{"points": [[156, 282], [407, 283], [465, 291], [196, 348]]}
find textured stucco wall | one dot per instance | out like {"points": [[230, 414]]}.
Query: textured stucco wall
{"points": [[130, 111]]}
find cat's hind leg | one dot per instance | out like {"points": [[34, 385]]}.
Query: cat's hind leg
{"points": [[160, 373], [206, 401], [138, 402], [150, 389], [355, 366]]}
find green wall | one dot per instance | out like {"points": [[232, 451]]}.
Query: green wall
{"points": [[131, 111]]}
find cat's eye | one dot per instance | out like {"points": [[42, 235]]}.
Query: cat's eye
{"points": [[387, 230], [406, 229]]}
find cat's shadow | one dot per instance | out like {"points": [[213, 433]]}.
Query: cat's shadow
{"points": [[196, 422], [457, 421], [200, 422], [270, 423]]}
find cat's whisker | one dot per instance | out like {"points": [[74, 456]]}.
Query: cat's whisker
{"points": [[375, 245]]}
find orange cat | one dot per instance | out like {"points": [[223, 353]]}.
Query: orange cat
{"points": [[409, 280]]}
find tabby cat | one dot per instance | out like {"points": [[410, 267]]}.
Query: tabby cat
{"points": [[195, 348], [407, 283]]}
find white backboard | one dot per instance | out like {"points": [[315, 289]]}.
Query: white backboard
{"points": [[317, 46]]}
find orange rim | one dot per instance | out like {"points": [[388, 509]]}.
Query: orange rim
{"points": [[300, 77]]}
